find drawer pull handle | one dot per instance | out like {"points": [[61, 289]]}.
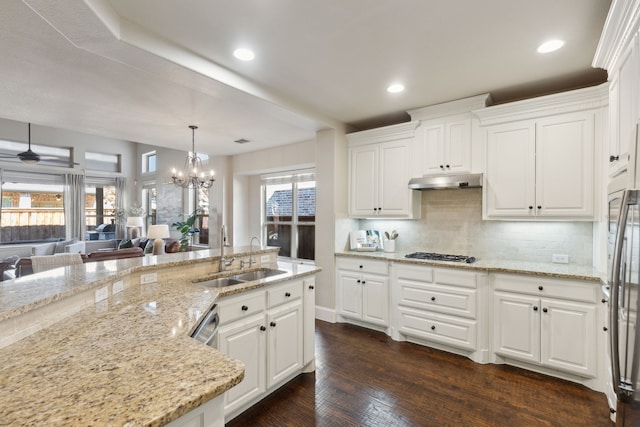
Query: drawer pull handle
{"points": [[540, 287], [244, 308], [535, 308], [433, 327], [311, 287], [360, 266], [433, 298], [262, 328], [604, 328], [272, 324], [287, 294]]}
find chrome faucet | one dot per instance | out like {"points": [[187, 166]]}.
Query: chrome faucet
{"points": [[251, 260], [224, 263]]}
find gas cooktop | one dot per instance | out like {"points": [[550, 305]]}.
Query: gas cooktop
{"points": [[441, 257]]}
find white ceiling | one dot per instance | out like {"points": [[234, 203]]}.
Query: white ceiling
{"points": [[143, 70]]}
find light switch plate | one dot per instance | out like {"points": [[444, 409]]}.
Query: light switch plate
{"points": [[117, 287], [102, 294], [265, 258], [560, 258], [148, 278]]}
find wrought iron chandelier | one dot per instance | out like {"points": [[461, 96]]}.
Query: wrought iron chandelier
{"points": [[189, 177]]}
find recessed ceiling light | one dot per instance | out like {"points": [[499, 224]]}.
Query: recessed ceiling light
{"points": [[244, 54], [395, 88], [550, 46]]}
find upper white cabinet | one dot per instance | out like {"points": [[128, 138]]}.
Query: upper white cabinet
{"points": [[618, 53], [540, 156], [380, 166], [446, 136]]}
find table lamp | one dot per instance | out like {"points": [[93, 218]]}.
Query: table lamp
{"points": [[158, 232], [134, 223]]}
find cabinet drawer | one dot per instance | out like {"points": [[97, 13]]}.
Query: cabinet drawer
{"points": [[241, 306], [438, 328], [363, 265], [442, 299], [454, 277], [559, 288], [284, 293], [417, 273]]}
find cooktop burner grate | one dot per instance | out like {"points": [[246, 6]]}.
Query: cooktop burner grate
{"points": [[441, 257]]}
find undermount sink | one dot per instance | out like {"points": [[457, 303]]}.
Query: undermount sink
{"points": [[236, 279], [258, 274]]}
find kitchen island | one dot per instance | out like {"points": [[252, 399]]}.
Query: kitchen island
{"points": [[73, 358]]}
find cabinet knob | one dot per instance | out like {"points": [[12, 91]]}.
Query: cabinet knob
{"points": [[272, 324], [545, 310], [244, 308], [613, 158], [433, 327], [433, 298], [311, 287], [604, 328], [379, 209], [540, 287], [287, 294], [447, 166], [530, 207], [535, 308], [363, 282], [262, 328], [539, 207], [603, 300], [441, 166], [358, 281], [360, 266], [375, 209]]}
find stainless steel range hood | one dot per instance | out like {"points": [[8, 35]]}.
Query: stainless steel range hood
{"points": [[437, 182]]}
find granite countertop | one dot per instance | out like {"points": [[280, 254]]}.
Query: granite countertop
{"points": [[562, 271], [127, 360]]}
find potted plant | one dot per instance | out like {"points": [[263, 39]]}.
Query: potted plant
{"points": [[186, 229]]}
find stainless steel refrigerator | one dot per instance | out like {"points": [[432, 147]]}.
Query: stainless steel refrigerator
{"points": [[624, 305]]}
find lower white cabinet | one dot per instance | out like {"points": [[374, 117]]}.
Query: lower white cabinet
{"points": [[363, 290], [547, 322], [266, 330], [438, 305]]}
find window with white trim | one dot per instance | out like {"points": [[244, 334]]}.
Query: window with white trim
{"points": [[289, 214]]}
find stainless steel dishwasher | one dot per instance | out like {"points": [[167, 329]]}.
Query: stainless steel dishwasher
{"points": [[208, 329]]}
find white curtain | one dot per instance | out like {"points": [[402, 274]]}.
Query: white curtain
{"points": [[74, 217], [121, 197]]}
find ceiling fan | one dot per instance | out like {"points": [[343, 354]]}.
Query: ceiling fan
{"points": [[31, 157]]}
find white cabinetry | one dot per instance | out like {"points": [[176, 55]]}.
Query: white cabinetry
{"points": [[440, 306], [363, 290], [379, 173], [448, 137], [541, 166], [551, 323], [265, 329]]}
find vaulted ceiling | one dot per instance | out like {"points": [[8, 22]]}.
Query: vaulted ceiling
{"points": [[143, 70]]}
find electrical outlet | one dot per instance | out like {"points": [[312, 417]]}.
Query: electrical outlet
{"points": [[148, 278], [102, 294], [265, 258], [560, 258], [117, 287]]}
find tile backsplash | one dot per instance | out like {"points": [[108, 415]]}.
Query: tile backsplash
{"points": [[452, 223]]}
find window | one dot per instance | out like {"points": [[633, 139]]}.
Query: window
{"points": [[150, 199], [102, 162], [32, 207], [200, 199], [100, 208], [289, 214], [149, 162], [52, 156]]}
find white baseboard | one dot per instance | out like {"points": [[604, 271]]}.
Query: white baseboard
{"points": [[326, 314]]}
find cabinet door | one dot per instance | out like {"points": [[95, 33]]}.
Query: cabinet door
{"points": [[349, 294], [564, 165], [517, 326], [569, 336], [244, 341], [375, 299], [433, 149], [510, 189], [457, 156], [309, 319], [363, 180], [393, 194], [285, 342]]}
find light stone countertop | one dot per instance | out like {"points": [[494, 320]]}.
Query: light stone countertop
{"points": [[561, 271], [127, 360]]}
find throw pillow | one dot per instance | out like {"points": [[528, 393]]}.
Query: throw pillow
{"points": [[46, 249], [60, 246], [172, 247], [148, 249], [126, 243]]}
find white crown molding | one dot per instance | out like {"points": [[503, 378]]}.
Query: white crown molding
{"points": [[619, 28], [559, 103], [459, 106], [383, 134]]}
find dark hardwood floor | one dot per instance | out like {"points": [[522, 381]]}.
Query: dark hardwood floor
{"points": [[363, 378]]}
